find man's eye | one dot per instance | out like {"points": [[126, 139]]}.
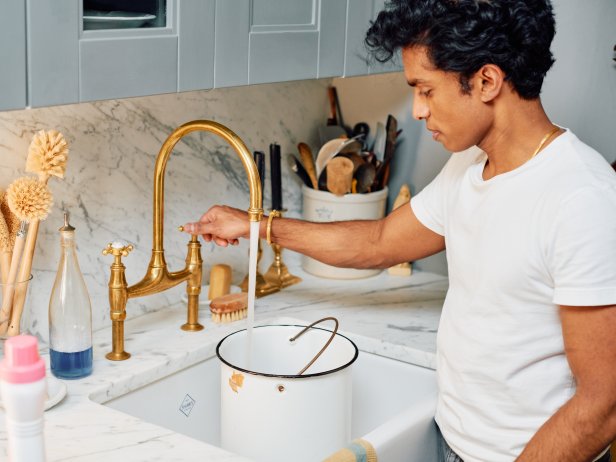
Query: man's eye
{"points": [[425, 93]]}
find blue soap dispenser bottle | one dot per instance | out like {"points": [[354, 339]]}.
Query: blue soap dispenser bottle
{"points": [[70, 314]]}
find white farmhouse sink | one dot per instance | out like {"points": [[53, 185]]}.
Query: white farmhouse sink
{"points": [[393, 405]]}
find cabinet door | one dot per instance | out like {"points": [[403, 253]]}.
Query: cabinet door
{"points": [[13, 55], [259, 41], [358, 61], [70, 64]]}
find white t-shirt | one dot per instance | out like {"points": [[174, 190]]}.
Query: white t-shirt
{"points": [[518, 245]]}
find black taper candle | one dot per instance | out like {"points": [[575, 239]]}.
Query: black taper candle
{"points": [[259, 157], [275, 175]]}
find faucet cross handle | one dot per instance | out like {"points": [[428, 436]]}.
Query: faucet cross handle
{"points": [[118, 249]]}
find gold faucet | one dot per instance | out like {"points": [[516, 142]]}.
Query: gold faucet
{"points": [[158, 278]]}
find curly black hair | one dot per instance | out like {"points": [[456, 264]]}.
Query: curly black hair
{"points": [[463, 35]]}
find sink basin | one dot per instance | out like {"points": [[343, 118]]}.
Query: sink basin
{"points": [[393, 405]]}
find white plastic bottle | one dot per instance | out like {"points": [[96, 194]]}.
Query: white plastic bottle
{"points": [[23, 387]]}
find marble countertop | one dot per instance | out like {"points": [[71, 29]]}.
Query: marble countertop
{"points": [[391, 316]]}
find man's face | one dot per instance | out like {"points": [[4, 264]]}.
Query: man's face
{"points": [[456, 119]]}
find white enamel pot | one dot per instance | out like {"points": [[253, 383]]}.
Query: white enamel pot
{"points": [[269, 412]]}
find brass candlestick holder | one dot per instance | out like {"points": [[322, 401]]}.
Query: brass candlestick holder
{"points": [[263, 287], [278, 273]]}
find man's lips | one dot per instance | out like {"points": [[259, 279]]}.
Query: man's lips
{"points": [[435, 133]]}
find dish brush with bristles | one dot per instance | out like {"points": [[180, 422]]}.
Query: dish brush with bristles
{"points": [[47, 155], [30, 200], [229, 308]]}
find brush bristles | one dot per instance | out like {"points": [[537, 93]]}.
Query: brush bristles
{"points": [[29, 199], [229, 317], [12, 222], [47, 154]]}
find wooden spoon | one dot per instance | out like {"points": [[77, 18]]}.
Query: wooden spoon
{"points": [[308, 161]]}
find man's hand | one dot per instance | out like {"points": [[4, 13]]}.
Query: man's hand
{"points": [[221, 224]]}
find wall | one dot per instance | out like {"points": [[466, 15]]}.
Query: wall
{"points": [[579, 93], [108, 184]]}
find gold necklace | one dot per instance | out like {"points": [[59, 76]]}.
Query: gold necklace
{"points": [[543, 141]]}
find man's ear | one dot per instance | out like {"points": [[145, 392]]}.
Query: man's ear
{"points": [[489, 80]]}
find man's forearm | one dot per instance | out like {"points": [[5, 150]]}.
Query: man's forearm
{"points": [[351, 244], [578, 432]]}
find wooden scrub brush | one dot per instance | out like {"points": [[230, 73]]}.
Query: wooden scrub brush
{"points": [[30, 200], [229, 308], [47, 156], [9, 225]]}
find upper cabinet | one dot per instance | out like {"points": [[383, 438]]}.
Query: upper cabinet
{"points": [[84, 50], [12, 55], [68, 51], [260, 41], [357, 61]]}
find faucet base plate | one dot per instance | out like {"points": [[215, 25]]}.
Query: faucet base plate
{"points": [[121, 356], [192, 327]]}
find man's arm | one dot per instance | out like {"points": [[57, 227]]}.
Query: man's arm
{"points": [[397, 238], [586, 424]]}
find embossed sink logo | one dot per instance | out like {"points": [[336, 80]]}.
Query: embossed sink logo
{"points": [[187, 405], [236, 381]]}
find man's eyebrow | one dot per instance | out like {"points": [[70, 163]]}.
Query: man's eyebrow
{"points": [[414, 82]]}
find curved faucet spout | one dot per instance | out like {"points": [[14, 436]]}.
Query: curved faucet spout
{"points": [[255, 211], [158, 278]]}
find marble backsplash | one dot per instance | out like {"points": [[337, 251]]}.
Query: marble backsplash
{"points": [[108, 184]]}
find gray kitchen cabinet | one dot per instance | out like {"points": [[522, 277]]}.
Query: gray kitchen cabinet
{"points": [[71, 61], [357, 60], [259, 41], [13, 55]]}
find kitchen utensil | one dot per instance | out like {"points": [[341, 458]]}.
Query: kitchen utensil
{"points": [[332, 130], [378, 147], [355, 158], [308, 161], [365, 175], [339, 175], [350, 145], [361, 129], [29, 199], [323, 180], [346, 128], [47, 157], [299, 169], [327, 151], [382, 174]]}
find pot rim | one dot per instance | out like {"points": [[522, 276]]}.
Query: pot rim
{"points": [[287, 376]]}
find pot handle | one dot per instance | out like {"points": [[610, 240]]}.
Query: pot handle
{"points": [[295, 337]]}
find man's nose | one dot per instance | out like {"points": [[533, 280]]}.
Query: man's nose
{"points": [[420, 108]]}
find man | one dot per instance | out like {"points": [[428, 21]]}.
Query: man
{"points": [[526, 348]]}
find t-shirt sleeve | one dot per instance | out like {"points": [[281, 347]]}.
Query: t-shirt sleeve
{"points": [[428, 206], [582, 258]]}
